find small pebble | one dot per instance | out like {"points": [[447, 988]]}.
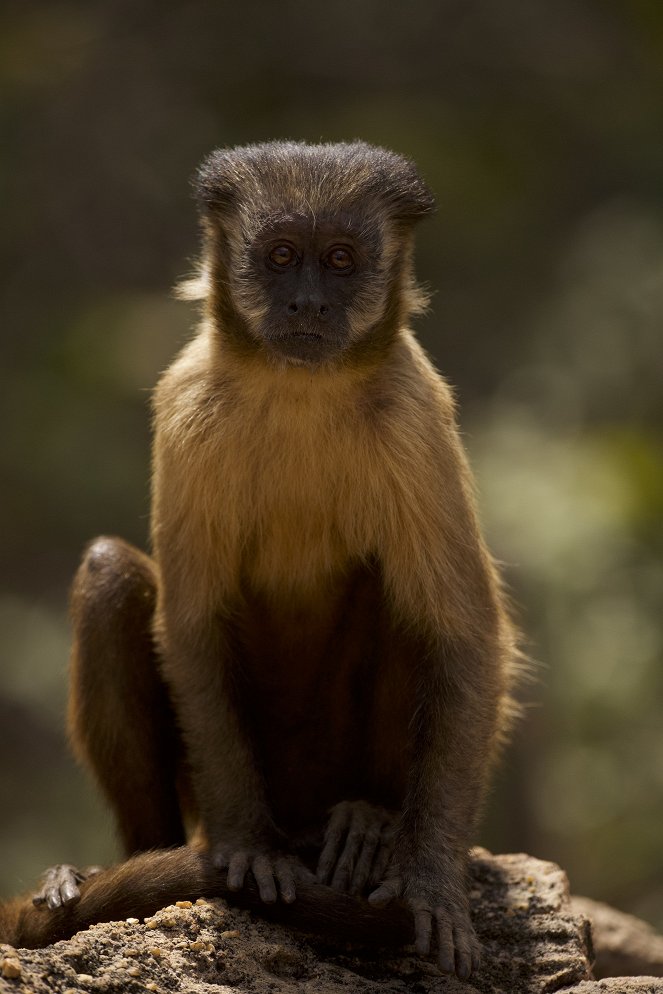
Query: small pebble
{"points": [[10, 968], [151, 986], [132, 921], [131, 952], [134, 971], [197, 946], [231, 933], [84, 978], [200, 900], [155, 951], [151, 923], [183, 904]]}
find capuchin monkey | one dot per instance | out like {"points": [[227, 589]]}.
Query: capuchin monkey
{"points": [[311, 675]]}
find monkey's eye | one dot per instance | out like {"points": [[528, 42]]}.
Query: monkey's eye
{"points": [[281, 256], [340, 260]]}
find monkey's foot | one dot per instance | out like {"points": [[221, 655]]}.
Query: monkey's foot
{"points": [[269, 869], [59, 885], [359, 840], [444, 930]]}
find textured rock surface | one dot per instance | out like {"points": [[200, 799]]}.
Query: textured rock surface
{"points": [[619, 985], [623, 945], [533, 941]]}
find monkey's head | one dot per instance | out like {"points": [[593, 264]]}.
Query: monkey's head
{"points": [[308, 248]]}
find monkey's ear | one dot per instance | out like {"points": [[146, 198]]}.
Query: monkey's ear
{"points": [[397, 183], [413, 201], [215, 182]]}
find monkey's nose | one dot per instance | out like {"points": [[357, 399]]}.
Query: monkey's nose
{"points": [[308, 307]]}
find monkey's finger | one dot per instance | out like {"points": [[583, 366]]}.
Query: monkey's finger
{"points": [[464, 954], [446, 959], [59, 886], [381, 861], [423, 930], [237, 867], [346, 862], [57, 895], [53, 900], [286, 878], [362, 870], [52, 897], [386, 892], [476, 956], [69, 892], [264, 877], [335, 831]]}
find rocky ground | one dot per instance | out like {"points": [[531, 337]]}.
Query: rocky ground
{"points": [[536, 941]]}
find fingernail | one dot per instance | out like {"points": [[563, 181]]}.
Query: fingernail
{"points": [[464, 970]]}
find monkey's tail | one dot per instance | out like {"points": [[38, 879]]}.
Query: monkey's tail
{"points": [[136, 888], [147, 882]]}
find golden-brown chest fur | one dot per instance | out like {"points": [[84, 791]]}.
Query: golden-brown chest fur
{"points": [[278, 479], [328, 517], [280, 476], [299, 455]]}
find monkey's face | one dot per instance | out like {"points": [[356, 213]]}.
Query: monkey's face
{"points": [[310, 288], [308, 248]]}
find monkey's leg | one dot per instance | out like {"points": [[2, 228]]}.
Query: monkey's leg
{"points": [[120, 720]]}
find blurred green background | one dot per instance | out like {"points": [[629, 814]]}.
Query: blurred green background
{"points": [[539, 124]]}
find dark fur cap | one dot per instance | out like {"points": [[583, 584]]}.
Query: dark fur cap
{"points": [[294, 177]]}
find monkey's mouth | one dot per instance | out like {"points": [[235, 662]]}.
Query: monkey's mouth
{"points": [[304, 344]]}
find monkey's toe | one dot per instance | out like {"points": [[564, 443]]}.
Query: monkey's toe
{"points": [[59, 886]]}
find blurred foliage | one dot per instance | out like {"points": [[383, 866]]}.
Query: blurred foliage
{"points": [[538, 124]]}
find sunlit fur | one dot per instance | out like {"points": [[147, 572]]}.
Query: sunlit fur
{"points": [[281, 478], [329, 624]]}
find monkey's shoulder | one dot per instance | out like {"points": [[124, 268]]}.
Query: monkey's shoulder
{"points": [[191, 385]]}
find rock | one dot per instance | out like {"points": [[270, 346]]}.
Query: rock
{"points": [[624, 946], [535, 942], [619, 985], [10, 967]]}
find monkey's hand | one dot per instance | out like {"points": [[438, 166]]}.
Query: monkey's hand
{"points": [[59, 885], [359, 839], [268, 867], [437, 897]]}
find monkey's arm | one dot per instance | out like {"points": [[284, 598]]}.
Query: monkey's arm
{"points": [[441, 581], [148, 882], [235, 818], [452, 747], [197, 548]]}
